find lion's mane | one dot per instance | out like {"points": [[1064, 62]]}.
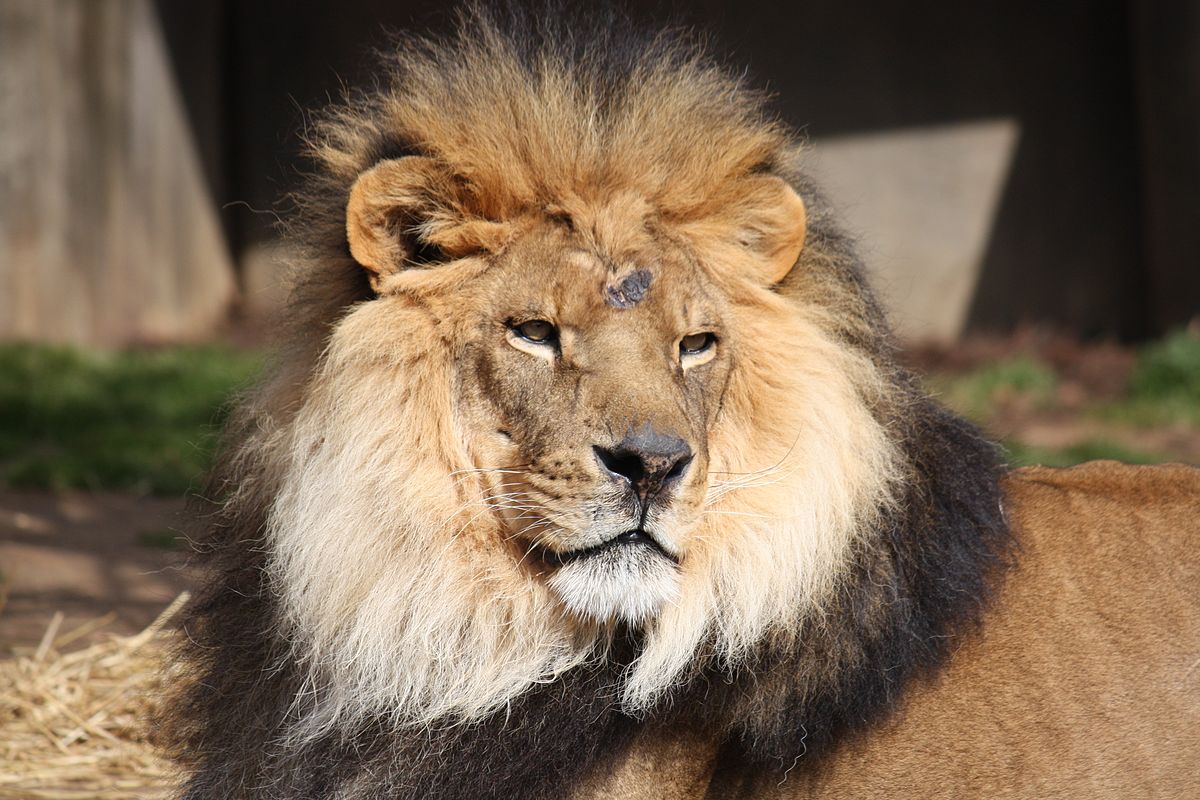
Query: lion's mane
{"points": [[328, 657]]}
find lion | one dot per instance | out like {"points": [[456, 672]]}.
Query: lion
{"points": [[588, 470]]}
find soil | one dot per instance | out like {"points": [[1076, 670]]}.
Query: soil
{"points": [[1089, 371], [87, 555]]}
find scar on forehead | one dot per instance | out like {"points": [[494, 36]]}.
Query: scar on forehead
{"points": [[629, 291]]}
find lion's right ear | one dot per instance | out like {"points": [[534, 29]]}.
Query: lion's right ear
{"points": [[402, 208], [386, 203]]}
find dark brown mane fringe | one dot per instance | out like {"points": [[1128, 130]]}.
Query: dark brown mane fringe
{"points": [[919, 581], [537, 750]]}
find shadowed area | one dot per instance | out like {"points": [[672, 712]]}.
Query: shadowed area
{"points": [[87, 555]]}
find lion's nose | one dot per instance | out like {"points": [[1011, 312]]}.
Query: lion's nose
{"points": [[648, 460]]}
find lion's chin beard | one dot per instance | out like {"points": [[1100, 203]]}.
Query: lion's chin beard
{"points": [[629, 583]]}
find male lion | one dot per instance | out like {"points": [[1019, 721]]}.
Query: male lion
{"points": [[588, 471]]}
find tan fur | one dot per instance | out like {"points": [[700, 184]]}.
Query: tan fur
{"points": [[1084, 682], [797, 465], [408, 192], [455, 618], [432, 518]]}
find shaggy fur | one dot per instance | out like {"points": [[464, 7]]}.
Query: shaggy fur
{"points": [[371, 631]]}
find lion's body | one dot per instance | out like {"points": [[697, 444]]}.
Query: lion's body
{"points": [[1084, 683], [588, 452]]}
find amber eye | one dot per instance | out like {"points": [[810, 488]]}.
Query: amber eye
{"points": [[696, 343], [537, 331]]}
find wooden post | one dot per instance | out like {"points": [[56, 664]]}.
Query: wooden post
{"points": [[108, 235]]}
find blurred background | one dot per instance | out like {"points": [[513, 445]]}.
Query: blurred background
{"points": [[1023, 177]]}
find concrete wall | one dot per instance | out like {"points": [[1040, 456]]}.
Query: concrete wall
{"points": [[922, 202]]}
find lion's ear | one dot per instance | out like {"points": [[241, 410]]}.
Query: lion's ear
{"points": [[386, 204], [775, 226], [406, 211]]}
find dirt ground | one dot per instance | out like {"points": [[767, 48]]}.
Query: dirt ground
{"points": [[86, 555], [1088, 373]]}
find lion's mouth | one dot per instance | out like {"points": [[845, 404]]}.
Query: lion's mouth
{"points": [[632, 538], [629, 577]]}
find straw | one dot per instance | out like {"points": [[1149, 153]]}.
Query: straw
{"points": [[75, 725]]}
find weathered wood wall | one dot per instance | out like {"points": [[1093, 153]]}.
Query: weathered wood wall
{"points": [[1003, 162], [1083, 215], [108, 235]]}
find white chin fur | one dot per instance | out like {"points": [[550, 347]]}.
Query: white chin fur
{"points": [[627, 582]]}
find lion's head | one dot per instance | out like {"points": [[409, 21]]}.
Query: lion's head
{"points": [[582, 366], [615, 367], [588, 389]]}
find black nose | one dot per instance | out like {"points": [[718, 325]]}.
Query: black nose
{"points": [[650, 461]]}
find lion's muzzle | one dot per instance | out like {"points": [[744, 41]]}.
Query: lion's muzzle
{"points": [[650, 463]]}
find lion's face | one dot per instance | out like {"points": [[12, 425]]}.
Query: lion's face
{"points": [[575, 413], [593, 377], [578, 414]]}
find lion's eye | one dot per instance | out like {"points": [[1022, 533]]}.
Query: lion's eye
{"points": [[537, 331], [696, 343]]}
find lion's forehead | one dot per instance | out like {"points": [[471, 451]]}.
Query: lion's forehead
{"points": [[583, 284], [624, 281]]}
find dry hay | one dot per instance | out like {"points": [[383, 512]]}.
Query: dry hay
{"points": [[74, 724]]}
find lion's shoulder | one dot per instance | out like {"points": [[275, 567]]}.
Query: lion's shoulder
{"points": [[1083, 679], [1121, 483], [1103, 509]]}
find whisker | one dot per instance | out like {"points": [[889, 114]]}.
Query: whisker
{"points": [[545, 523], [738, 513], [515, 470], [535, 543], [783, 458], [766, 478]]}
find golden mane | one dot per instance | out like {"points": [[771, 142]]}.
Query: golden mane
{"points": [[531, 129], [325, 613]]}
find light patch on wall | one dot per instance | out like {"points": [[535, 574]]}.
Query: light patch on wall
{"points": [[922, 203]]}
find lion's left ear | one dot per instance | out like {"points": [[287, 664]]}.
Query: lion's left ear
{"points": [[774, 226], [406, 212]]}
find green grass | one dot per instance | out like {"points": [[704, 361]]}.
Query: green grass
{"points": [[1163, 391], [1164, 388], [1021, 454], [143, 421], [978, 393]]}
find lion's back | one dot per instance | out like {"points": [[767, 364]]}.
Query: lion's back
{"points": [[1085, 678], [1161, 502]]}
